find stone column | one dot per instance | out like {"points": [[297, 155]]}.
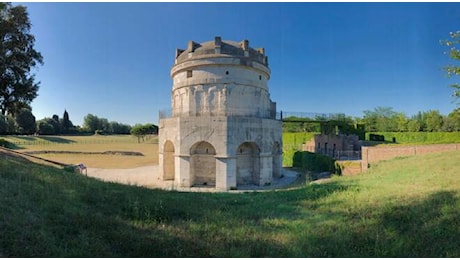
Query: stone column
{"points": [[266, 169], [225, 173], [182, 169]]}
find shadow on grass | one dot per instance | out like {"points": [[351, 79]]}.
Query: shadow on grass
{"points": [[56, 139], [425, 228], [62, 214], [51, 139]]}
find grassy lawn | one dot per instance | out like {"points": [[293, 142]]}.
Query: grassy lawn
{"points": [[407, 207], [95, 143]]}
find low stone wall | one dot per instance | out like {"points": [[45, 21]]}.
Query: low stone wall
{"points": [[350, 167], [371, 155]]}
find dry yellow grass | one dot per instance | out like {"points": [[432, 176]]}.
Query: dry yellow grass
{"points": [[92, 144]]}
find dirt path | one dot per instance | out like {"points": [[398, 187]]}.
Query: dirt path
{"points": [[148, 176]]}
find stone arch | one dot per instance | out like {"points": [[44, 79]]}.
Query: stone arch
{"points": [[248, 164], [203, 164], [276, 160], [168, 161]]}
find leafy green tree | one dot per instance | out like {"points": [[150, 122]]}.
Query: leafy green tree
{"points": [[454, 68], [44, 127], [381, 119], [118, 128], [413, 125], [66, 124], [452, 121], [401, 122], [26, 122], [91, 123], [17, 59], [56, 124], [433, 121], [141, 131]]}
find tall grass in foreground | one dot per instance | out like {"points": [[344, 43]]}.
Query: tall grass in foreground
{"points": [[407, 207]]}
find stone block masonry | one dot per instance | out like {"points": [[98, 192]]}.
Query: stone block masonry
{"points": [[222, 132], [372, 155]]}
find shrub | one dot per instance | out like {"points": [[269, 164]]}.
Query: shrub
{"points": [[315, 162], [5, 143]]}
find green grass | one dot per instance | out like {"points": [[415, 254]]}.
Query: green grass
{"points": [[93, 143], [407, 207]]}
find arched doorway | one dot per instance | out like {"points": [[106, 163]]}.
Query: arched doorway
{"points": [[203, 164], [276, 163], [168, 161], [247, 164]]}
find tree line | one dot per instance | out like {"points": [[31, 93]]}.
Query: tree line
{"points": [[24, 122], [385, 119]]}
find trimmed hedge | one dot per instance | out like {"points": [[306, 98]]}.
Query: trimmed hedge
{"points": [[315, 162], [419, 137]]}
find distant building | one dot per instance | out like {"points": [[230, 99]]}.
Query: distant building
{"points": [[222, 130], [334, 145]]}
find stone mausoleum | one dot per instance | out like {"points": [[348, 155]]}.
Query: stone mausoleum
{"points": [[222, 130]]}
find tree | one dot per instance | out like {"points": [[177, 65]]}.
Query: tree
{"points": [[454, 54], [56, 124], [140, 131], [413, 125], [17, 58], [44, 127], [26, 121], [382, 119], [66, 124], [433, 121], [91, 123], [3, 125], [452, 121], [401, 122]]}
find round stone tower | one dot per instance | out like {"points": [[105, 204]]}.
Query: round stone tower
{"points": [[221, 131]]}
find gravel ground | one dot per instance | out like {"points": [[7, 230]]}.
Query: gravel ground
{"points": [[148, 176]]}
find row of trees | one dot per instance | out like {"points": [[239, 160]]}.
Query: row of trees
{"points": [[94, 124], [25, 123], [385, 119]]}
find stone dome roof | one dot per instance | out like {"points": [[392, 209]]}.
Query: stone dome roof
{"points": [[220, 48]]}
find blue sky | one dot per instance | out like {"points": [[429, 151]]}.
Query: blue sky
{"points": [[113, 59]]}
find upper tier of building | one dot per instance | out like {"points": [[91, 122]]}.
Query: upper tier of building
{"points": [[220, 48]]}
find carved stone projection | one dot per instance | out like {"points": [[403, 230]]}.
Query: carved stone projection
{"points": [[222, 130]]}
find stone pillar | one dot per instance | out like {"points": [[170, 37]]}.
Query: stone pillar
{"points": [[161, 164], [182, 171], [225, 173], [276, 164], [266, 169]]}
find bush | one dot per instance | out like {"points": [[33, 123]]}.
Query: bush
{"points": [[314, 162], [5, 143]]}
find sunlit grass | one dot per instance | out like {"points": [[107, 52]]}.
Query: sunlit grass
{"points": [[407, 207], [95, 143]]}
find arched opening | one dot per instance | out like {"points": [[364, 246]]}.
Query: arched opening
{"points": [[168, 161], [248, 164], [276, 163], [203, 164]]}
